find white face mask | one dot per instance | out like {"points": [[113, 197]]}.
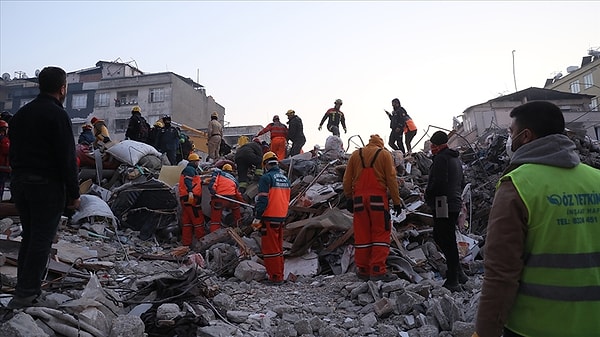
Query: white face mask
{"points": [[509, 150]]}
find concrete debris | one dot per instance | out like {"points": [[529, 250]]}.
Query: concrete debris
{"points": [[117, 267]]}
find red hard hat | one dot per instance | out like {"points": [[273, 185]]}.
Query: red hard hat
{"points": [[3, 124]]}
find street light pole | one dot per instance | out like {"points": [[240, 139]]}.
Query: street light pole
{"points": [[514, 73]]}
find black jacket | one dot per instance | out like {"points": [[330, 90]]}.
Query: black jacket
{"points": [[250, 153], [41, 143], [445, 178], [296, 130]]}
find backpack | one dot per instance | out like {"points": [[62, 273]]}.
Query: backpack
{"points": [[144, 129]]}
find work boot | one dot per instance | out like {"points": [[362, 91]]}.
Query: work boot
{"points": [[22, 302], [361, 276], [387, 277], [452, 285]]}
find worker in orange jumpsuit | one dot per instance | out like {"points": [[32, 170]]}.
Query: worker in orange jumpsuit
{"points": [[369, 176], [271, 211], [224, 183], [190, 194], [279, 133]]}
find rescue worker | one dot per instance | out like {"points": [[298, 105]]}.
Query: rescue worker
{"points": [[271, 211], [4, 156], [154, 133], [190, 194], [295, 132], [86, 136], [215, 134], [250, 154], [279, 136], [100, 132], [334, 117], [223, 183], [168, 140], [137, 128], [397, 130], [408, 127], [369, 177], [444, 195], [541, 261]]}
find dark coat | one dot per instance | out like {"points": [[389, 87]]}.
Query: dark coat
{"points": [[296, 129], [250, 153], [445, 178]]}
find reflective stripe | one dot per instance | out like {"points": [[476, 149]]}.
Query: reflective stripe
{"points": [[591, 293], [567, 261], [383, 244], [366, 245]]}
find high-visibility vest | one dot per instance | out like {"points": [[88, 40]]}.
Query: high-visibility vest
{"points": [[559, 292]]}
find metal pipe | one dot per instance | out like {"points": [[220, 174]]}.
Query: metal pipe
{"points": [[233, 200]]}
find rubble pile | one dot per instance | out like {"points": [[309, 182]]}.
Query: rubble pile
{"points": [[118, 268]]}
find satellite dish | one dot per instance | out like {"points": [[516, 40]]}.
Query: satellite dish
{"points": [[557, 76], [37, 72], [572, 69], [6, 76]]}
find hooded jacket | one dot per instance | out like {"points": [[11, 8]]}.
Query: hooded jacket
{"points": [[384, 168], [296, 130], [507, 231], [445, 178]]}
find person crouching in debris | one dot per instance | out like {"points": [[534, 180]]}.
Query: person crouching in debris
{"points": [[190, 194], [223, 183], [86, 136], [369, 176], [250, 154], [271, 211], [443, 195]]}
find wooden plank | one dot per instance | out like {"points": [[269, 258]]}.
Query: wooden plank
{"points": [[341, 240]]}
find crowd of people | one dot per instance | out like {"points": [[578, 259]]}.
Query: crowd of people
{"points": [[542, 265]]}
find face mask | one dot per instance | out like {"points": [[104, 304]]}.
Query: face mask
{"points": [[509, 143]]}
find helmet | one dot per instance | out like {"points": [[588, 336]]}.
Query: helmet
{"points": [[3, 124], [269, 158], [94, 120], [136, 109], [166, 118], [159, 124], [86, 126], [193, 156], [227, 167], [290, 112], [275, 118], [214, 114], [338, 101]]}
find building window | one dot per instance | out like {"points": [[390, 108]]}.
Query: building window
{"points": [[575, 87], [79, 101], [121, 125], [157, 95], [102, 99], [126, 98], [588, 81], [594, 104]]}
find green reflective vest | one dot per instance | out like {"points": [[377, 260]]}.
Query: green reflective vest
{"points": [[559, 292]]}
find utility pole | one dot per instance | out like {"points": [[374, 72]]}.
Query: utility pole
{"points": [[514, 73]]}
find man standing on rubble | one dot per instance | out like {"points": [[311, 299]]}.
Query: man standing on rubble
{"points": [[137, 128], [295, 132], [271, 211], [215, 133], [44, 179], [334, 117], [250, 154], [100, 132], [223, 183], [168, 140], [279, 136], [443, 195], [542, 271], [369, 176], [190, 194]]}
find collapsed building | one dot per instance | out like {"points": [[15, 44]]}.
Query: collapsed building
{"points": [[117, 267]]}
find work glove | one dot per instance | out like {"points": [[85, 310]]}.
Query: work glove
{"points": [[398, 209], [256, 224], [345, 131], [106, 140], [350, 205], [190, 198], [320, 127]]}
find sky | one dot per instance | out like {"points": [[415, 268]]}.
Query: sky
{"points": [[258, 59]]}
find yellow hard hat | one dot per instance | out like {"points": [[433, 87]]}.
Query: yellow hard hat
{"points": [[159, 124], [227, 167], [269, 157], [193, 157], [214, 114], [290, 112], [136, 109]]}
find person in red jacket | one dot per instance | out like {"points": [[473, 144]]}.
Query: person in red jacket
{"points": [[190, 194], [4, 162], [271, 211], [279, 134], [223, 183]]}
